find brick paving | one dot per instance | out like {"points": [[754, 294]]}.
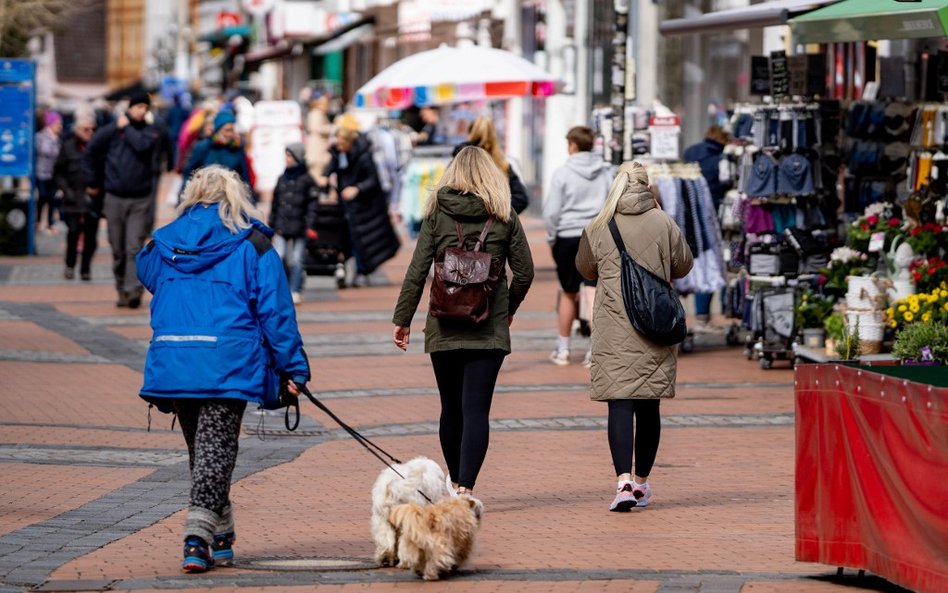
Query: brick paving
{"points": [[91, 499]]}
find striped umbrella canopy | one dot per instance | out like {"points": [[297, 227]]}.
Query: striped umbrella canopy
{"points": [[455, 74]]}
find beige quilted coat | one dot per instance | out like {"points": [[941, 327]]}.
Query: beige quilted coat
{"points": [[624, 364]]}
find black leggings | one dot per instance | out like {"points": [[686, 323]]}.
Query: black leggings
{"points": [[623, 438], [466, 380], [84, 224]]}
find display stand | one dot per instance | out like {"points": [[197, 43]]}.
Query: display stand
{"points": [[871, 457]]}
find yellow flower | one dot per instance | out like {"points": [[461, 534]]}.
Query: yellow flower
{"points": [[890, 312], [902, 308], [913, 307], [913, 298], [927, 316], [893, 324], [945, 307], [909, 317], [943, 293]]}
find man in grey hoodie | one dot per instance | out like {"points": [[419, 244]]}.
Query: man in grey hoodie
{"points": [[577, 192]]}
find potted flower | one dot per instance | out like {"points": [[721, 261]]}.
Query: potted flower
{"points": [[834, 327], [927, 307], [844, 262], [810, 311], [928, 239], [882, 218], [848, 345], [928, 273], [922, 344]]}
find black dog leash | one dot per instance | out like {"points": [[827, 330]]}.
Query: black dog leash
{"points": [[371, 447]]}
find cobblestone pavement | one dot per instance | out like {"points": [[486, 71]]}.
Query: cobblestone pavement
{"points": [[93, 488]]}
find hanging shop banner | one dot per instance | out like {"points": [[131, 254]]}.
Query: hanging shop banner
{"points": [[871, 461], [760, 75], [665, 137], [779, 74], [17, 90], [797, 69], [277, 124]]}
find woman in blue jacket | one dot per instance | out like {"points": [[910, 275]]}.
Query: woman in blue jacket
{"points": [[224, 330], [223, 148]]}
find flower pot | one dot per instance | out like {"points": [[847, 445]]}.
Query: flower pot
{"points": [[814, 337]]}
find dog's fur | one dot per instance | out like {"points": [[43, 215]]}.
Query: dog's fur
{"points": [[391, 490], [437, 538]]}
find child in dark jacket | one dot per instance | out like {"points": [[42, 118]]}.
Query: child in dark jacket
{"points": [[293, 215]]}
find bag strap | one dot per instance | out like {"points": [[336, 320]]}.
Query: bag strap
{"points": [[480, 238], [614, 229]]}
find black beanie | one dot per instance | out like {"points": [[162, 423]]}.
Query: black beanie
{"points": [[139, 97]]}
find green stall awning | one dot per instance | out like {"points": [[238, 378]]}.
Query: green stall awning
{"points": [[861, 20]]}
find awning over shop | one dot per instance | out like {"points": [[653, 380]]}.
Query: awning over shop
{"points": [[775, 12], [859, 20], [344, 40]]}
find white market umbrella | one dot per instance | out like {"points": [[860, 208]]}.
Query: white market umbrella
{"points": [[454, 74]]}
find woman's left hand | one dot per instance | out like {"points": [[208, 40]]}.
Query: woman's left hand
{"points": [[350, 193]]}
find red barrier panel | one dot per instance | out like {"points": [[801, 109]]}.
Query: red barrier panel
{"points": [[872, 474]]}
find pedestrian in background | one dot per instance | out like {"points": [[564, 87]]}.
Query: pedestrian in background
{"points": [[708, 154], [628, 371], [81, 212], [224, 147], [48, 143], [218, 324], [374, 240], [318, 133], [120, 161], [484, 135], [467, 358], [578, 190], [293, 216]]}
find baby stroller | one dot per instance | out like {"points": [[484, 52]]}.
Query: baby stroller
{"points": [[326, 255], [773, 326]]}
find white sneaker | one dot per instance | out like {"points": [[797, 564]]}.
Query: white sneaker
{"points": [[447, 484], [642, 494], [588, 359], [297, 298], [560, 357]]}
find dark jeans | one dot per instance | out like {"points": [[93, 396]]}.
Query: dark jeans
{"points": [[466, 380], [634, 425], [87, 226], [46, 194]]}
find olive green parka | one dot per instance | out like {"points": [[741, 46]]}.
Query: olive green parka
{"points": [[505, 241]]}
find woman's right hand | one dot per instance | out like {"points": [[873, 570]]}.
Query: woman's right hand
{"points": [[401, 336]]}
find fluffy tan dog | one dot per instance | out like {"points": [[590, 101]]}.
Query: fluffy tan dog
{"points": [[437, 538]]}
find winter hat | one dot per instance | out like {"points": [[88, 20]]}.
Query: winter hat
{"points": [[297, 151], [223, 118], [51, 117], [139, 97]]}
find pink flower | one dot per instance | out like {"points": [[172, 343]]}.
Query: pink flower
{"points": [[894, 222], [873, 220]]}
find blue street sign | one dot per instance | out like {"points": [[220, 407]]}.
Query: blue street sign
{"points": [[17, 123]]}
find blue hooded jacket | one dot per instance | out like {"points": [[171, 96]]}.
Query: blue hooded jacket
{"points": [[221, 313]]}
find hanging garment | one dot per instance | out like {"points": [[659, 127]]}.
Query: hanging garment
{"points": [[762, 177], [794, 176]]}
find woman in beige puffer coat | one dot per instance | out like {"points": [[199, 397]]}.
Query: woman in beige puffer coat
{"points": [[630, 372]]}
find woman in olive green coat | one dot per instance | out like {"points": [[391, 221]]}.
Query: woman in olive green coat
{"points": [[630, 372], [467, 358]]}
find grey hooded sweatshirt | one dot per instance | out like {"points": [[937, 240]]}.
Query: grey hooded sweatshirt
{"points": [[577, 192]]}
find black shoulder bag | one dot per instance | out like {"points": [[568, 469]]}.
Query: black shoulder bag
{"points": [[650, 302]]}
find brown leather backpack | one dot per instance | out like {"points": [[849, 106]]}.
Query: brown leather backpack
{"points": [[464, 281]]}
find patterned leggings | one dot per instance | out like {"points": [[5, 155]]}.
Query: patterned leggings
{"points": [[211, 429]]}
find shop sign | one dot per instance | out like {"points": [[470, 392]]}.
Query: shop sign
{"points": [[17, 90], [665, 133], [277, 124], [797, 67], [779, 74], [760, 75]]}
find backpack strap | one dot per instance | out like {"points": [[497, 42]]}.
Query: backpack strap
{"points": [[260, 241], [480, 238]]}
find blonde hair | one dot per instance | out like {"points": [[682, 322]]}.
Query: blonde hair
{"points": [[632, 175], [473, 172], [484, 135], [347, 134], [216, 185]]}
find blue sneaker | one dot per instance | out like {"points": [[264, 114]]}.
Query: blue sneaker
{"points": [[222, 548], [197, 556]]}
